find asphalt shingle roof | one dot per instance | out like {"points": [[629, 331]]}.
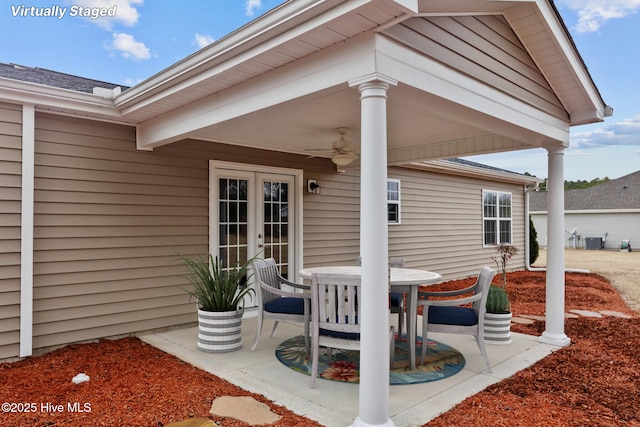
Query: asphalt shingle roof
{"points": [[53, 78], [480, 165], [621, 193]]}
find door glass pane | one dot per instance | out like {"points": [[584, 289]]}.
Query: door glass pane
{"points": [[276, 223], [232, 217]]}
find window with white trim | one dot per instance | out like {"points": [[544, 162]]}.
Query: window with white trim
{"points": [[496, 218], [393, 201]]}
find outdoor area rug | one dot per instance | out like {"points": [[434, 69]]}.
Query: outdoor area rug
{"points": [[441, 362]]}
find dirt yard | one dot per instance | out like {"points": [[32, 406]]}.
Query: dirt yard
{"points": [[621, 268]]}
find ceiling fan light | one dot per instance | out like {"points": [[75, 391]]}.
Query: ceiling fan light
{"points": [[342, 159]]}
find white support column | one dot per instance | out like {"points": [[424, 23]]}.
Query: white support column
{"points": [[554, 325], [26, 231], [374, 333]]}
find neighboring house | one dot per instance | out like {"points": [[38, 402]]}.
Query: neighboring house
{"points": [[101, 189], [598, 217]]}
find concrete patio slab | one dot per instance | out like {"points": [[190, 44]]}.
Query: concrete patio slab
{"points": [[335, 404]]}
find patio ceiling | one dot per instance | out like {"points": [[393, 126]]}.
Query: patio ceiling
{"points": [[417, 130]]}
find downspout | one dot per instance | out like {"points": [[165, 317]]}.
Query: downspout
{"points": [[527, 236], [527, 232]]}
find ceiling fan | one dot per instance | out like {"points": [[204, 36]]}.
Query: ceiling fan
{"points": [[342, 150]]}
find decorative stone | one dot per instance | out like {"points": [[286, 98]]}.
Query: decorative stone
{"points": [[533, 316], [522, 320], [193, 422], [586, 313], [243, 408], [615, 314]]}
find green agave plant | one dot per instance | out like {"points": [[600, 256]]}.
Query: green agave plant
{"points": [[214, 288]]}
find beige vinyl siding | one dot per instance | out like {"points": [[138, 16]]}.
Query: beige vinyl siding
{"points": [[109, 223], [10, 205], [485, 48], [332, 219], [441, 227]]}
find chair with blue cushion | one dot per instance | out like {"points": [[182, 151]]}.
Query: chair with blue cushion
{"points": [[277, 303], [457, 316], [335, 312]]}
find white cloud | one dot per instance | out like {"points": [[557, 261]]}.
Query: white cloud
{"points": [[592, 14], [251, 6], [203, 40], [626, 132], [129, 47], [126, 12]]}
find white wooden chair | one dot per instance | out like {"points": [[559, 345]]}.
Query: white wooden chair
{"points": [[454, 316], [335, 316], [277, 303]]}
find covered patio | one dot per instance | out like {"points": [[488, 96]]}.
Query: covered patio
{"points": [[413, 81]]}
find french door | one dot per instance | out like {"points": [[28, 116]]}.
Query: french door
{"points": [[254, 212]]}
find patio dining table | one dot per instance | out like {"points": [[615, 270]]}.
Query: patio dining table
{"points": [[404, 280]]}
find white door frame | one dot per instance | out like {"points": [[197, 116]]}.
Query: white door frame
{"points": [[295, 207]]}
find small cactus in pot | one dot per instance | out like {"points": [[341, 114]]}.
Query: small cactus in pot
{"points": [[498, 300]]}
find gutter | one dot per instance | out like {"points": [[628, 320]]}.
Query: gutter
{"points": [[527, 237]]}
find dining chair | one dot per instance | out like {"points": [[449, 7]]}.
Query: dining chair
{"points": [[457, 316], [335, 316], [277, 303], [396, 299]]}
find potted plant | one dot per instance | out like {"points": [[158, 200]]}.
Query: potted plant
{"points": [[219, 293], [497, 319]]}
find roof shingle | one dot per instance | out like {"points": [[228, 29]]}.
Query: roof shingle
{"points": [[621, 193], [53, 78]]}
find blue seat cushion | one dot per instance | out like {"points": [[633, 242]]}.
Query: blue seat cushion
{"points": [[342, 335], [460, 316], [285, 305], [396, 299]]}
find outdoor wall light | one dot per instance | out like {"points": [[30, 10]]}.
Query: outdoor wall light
{"points": [[313, 187]]}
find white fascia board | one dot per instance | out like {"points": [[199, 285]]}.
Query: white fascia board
{"points": [[597, 113], [592, 211], [329, 68], [58, 100], [419, 71]]}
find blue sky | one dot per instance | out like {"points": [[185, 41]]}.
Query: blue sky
{"points": [[147, 36]]}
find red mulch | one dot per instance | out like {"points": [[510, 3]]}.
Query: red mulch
{"points": [[595, 381], [132, 384]]}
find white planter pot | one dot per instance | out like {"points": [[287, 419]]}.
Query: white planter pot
{"points": [[219, 331], [497, 328]]}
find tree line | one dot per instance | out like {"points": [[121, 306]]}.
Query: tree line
{"points": [[574, 185]]}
